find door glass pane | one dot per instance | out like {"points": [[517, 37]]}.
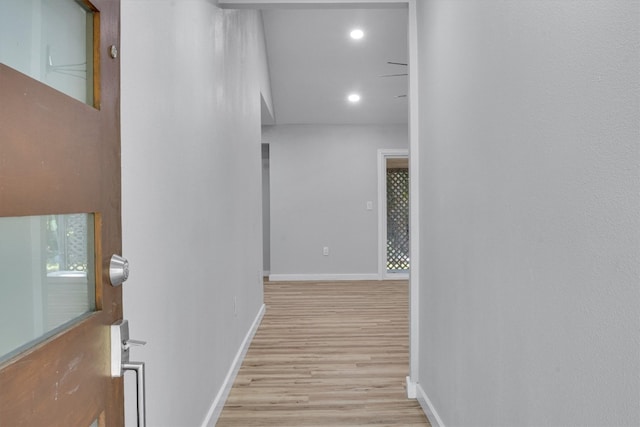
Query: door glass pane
{"points": [[47, 277], [51, 41]]}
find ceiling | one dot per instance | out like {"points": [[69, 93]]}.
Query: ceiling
{"points": [[314, 65]]}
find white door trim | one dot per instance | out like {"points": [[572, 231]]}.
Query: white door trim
{"points": [[414, 202]]}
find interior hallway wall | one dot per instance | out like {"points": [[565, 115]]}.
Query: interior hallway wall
{"points": [[322, 177], [192, 75], [530, 211]]}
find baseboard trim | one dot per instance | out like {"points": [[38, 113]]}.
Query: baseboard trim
{"points": [[218, 403], [320, 277], [428, 408], [396, 276]]}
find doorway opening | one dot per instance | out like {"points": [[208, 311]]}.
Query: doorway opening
{"points": [[266, 213], [411, 96], [393, 216]]}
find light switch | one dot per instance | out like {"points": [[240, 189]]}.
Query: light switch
{"points": [[369, 205]]}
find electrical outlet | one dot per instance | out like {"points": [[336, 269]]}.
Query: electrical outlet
{"points": [[325, 251]]}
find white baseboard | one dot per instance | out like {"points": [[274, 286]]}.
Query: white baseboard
{"points": [[218, 403], [320, 277], [396, 276], [428, 408]]}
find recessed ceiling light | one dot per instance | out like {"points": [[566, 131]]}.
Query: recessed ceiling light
{"points": [[353, 98], [357, 34]]}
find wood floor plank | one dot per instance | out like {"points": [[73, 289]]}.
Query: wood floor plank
{"points": [[327, 354]]}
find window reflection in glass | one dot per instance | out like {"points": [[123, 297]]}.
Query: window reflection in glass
{"points": [[47, 277], [50, 41]]}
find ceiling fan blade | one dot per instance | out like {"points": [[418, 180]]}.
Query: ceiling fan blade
{"points": [[396, 63], [401, 96]]}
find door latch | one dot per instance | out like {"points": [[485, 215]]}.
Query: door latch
{"points": [[120, 345]]}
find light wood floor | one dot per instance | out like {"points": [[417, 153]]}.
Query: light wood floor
{"points": [[327, 354]]}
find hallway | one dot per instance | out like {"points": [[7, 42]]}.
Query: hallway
{"points": [[327, 354], [525, 160]]}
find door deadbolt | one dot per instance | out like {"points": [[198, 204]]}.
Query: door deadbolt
{"points": [[118, 270]]}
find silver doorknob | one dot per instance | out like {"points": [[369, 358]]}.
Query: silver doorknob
{"points": [[118, 270]]}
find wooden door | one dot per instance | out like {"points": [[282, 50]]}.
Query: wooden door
{"points": [[60, 155]]}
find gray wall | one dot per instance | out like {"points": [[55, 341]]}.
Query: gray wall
{"points": [[529, 178], [321, 179], [192, 75]]}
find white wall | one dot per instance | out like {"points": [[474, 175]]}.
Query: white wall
{"points": [[530, 225], [191, 177], [321, 179]]}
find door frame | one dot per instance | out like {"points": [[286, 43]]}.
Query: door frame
{"points": [[383, 155], [414, 129]]}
